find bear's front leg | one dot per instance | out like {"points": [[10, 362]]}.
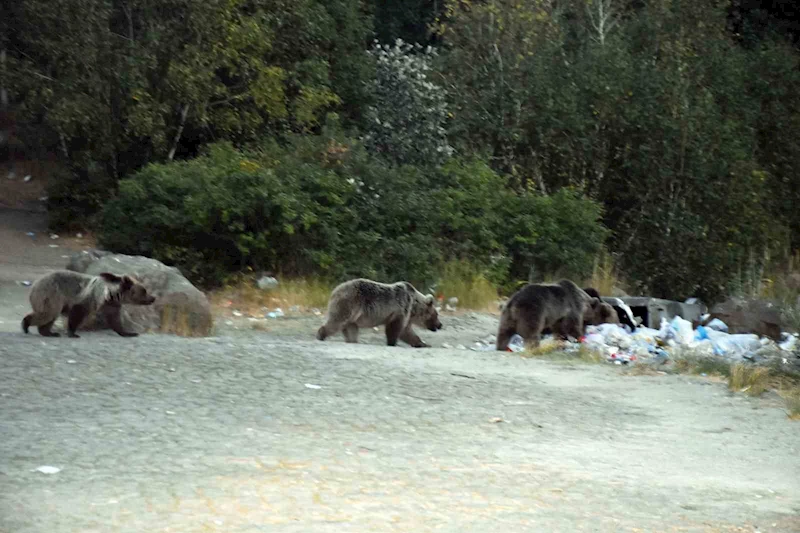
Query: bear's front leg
{"points": [[408, 336], [76, 315], [113, 319], [393, 330]]}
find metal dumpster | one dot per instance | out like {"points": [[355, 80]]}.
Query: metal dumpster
{"points": [[652, 310]]}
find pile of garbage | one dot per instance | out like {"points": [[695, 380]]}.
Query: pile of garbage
{"points": [[620, 345]]}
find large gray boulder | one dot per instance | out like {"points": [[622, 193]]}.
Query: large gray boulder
{"points": [[179, 308]]}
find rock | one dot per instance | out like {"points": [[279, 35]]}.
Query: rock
{"points": [[267, 283], [749, 316], [179, 308], [453, 302]]}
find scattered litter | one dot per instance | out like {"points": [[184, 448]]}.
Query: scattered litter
{"points": [[25, 283], [277, 313], [789, 344], [43, 198], [53, 236], [267, 283], [717, 325], [516, 344], [236, 313], [79, 235], [31, 234], [310, 386], [48, 469], [27, 178]]}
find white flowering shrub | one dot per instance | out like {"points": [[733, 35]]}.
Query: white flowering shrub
{"points": [[406, 122]]}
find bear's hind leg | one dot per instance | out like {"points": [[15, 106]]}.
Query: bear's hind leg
{"points": [[44, 329], [43, 321]]}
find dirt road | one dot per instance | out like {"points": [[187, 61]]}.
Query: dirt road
{"points": [[273, 431]]}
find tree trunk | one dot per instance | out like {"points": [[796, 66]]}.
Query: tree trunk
{"points": [[176, 140]]}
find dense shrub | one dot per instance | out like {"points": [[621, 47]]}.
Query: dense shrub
{"points": [[324, 206]]}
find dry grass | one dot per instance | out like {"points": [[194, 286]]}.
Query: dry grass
{"points": [[605, 276], [753, 380], [554, 350], [243, 294], [471, 288], [711, 366], [792, 398]]}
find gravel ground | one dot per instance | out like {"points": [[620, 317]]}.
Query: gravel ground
{"points": [[274, 431]]}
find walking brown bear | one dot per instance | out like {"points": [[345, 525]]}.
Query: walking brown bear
{"points": [[363, 303]]}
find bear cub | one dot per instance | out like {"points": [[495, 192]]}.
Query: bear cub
{"points": [[77, 296]]}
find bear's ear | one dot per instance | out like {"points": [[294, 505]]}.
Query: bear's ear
{"points": [[127, 283], [109, 277], [429, 299], [595, 303]]}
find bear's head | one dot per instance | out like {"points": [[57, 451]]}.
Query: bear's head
{"points": [[425, 313], [133, 292], [595, 312], [604, 314], [130, 291]]}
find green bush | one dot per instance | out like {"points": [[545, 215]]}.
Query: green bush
{"points": [[323, 206]]}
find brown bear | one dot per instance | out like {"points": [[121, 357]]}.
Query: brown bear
{"points": [[562, 307], [77, 296], [602, 313], [363, 303]]}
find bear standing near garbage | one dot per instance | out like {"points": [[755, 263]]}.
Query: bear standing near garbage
{"points": [[562, 307], [363, 303]]}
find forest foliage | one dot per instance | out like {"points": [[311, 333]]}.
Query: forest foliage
{"points": [[353, 137]]}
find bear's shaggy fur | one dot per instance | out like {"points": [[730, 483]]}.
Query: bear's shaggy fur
{"points": [[561, 307], [363, 303], [77, 296]]}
